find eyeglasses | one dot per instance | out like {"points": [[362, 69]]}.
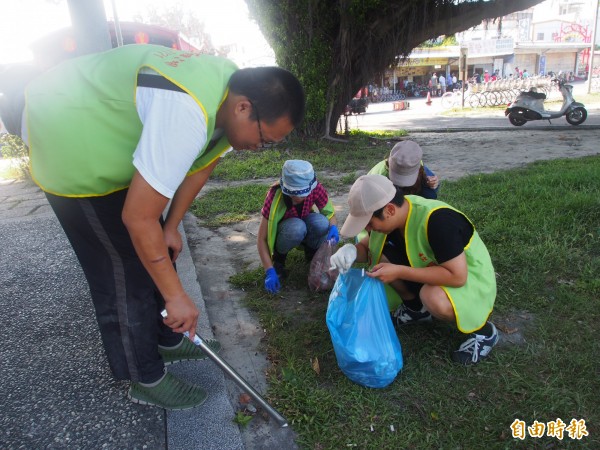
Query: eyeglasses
{"points": [[263, 143]]}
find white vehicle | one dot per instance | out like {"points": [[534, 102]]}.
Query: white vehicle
{"points": [[529, 105]]}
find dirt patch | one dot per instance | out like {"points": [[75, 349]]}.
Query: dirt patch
{"points": [[513, 327]]}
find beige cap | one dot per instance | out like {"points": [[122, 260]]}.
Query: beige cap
{"points": [[405, 162], [368, 194]]}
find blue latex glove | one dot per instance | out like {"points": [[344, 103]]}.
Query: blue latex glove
{"points": [[333, 235], [272, 283]]}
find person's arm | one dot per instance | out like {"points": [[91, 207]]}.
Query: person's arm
{"points": [[272, 283], [432, 180], [262, 244], [452, 273], [448, 234], [362, 250], [183, 198], [141, 213]]}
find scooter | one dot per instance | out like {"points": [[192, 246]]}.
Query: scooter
{"points": [[529, 105]]}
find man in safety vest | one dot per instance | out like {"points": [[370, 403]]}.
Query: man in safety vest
{"points": [[113, 138]]}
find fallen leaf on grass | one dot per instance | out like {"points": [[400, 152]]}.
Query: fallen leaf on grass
{"points": [[507, 330], [315, 365]]}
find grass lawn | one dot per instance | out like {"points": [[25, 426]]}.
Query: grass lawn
{"points": [[541, 225]]}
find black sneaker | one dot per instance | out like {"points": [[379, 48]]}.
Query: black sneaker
{"points": [[476, 348], [405, 316], [280, 269], [279, 264]]}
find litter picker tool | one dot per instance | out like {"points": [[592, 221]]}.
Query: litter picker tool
{"points": [[225, 367]]}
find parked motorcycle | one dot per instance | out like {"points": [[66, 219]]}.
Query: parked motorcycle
{"points": [[357, 106], [529, 105]]}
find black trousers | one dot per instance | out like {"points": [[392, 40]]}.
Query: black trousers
{"points": [[126, 300]]}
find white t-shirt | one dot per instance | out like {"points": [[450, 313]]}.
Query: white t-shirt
{"points": [[174, 132]]}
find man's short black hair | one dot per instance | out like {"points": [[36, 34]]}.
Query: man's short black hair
{"points": [[398, 200], [274, 92]]}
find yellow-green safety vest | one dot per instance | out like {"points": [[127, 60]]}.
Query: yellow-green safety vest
{"points": [[472, 302], [278, 210], [82, 122]]}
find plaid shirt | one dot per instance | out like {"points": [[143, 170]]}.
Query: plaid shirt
{"points": [[318, 197]]}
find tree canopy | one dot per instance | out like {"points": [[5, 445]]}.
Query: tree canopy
{"points": [[176, 17], [335, 47]]}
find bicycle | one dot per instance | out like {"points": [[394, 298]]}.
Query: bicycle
{"points": [[452, 99]]}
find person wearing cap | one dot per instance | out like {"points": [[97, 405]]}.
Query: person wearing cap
{"points": [[115, 137], [414, 177], [288, 220], [405, 167], [434, 257]]}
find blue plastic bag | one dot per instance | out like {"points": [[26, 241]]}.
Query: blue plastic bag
{"points": [[365, 342]]}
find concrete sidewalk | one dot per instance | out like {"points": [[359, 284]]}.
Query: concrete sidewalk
{"points": [[56, 388]]}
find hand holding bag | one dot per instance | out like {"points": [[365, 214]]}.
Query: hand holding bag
{"points": [[365, 342]]}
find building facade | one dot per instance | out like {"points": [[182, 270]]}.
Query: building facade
{"points": [[552, 37]]}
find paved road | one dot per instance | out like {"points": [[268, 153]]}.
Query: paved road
{"points": [[421, 116]]}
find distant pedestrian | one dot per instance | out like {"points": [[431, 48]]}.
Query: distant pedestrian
{"points": [[442, 81], [434, 83]]}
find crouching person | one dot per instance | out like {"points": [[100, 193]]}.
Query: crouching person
{"points": [[289, 220], [435, 260]]}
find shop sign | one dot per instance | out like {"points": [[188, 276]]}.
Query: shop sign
{"points": [[411, 62], [490, 47]]}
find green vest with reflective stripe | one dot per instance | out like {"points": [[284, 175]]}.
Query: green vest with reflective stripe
{"points": [[278, 210], [473, 302], [83, 126]]}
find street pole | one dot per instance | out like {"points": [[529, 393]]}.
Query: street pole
{"points": [[462, 70], [117, 24], [591, 60], [89, 25]]}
